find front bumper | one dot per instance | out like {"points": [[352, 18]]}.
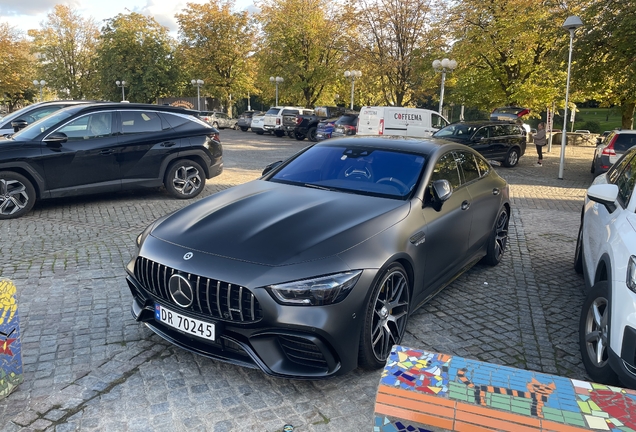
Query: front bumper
{"points": [[285, 341]]}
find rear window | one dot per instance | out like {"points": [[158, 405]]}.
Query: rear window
{"points": [[457, 131], [349, 120], [624, 141], [273, 111], [290, 112]]}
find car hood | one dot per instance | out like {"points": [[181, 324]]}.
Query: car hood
{"points": [[276, 224]]}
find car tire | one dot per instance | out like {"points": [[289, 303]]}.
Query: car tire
{"points": [[512, 158], [299, 136], [185, 179], [594, 331], [578, 251], [244, 129], [498, 239], [17, 195], [385, 317], [311, 134], [259, 132], [279, 133]]}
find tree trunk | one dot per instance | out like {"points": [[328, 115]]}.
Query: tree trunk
{"points": [[627, 115]]}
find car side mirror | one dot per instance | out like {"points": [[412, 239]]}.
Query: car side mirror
{"points": [[442, 190], [271, 166], [19, 124], [55, 139], [604, 194]]}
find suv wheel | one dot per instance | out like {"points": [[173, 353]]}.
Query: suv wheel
{"points": [[185, 179], [299, 136], [244, 129], [512, 158], [279, 133], [311, 134], [17, 195], [594, 331]]}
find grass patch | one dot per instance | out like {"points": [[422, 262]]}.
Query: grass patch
{"points": [[608, 118]]}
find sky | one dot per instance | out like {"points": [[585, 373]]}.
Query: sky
{"points": [[28, 14]]}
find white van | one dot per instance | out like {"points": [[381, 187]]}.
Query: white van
{"points": [[411, 122]]}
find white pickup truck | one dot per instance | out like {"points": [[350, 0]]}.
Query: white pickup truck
{"points": [[274, 118]]}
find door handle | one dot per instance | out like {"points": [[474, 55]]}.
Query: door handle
{"points": [[107, 152], [495, 191], [465, 205], [167, 144]]}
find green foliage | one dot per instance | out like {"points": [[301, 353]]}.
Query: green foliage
{"points": [[66, 49], [17, 66], [136, 49]]}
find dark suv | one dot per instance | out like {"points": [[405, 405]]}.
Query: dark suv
{"points": [[495, 140], [107, 147], [21, 118]]}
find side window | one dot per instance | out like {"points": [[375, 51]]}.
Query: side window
{"points": [[511, 130], [446, 169], [626, 180], [133, 122], [466, 161], [221, 115], [37, 114], [175, 120], [484, 167], [499, 131], [482, 133], [97, 125], [437, 121]]}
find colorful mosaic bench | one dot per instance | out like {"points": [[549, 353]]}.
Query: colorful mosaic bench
{"points": [[424, 391]]}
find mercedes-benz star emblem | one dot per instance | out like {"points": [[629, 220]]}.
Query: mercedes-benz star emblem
{"points": [[188, 255], [180, 290]]}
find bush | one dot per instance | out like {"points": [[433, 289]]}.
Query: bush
{"points": [[591, 125]]}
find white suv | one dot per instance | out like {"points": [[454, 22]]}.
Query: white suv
{"points": [[606, 255]]}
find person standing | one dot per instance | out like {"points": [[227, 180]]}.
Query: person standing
{"points": [[540, 140]]}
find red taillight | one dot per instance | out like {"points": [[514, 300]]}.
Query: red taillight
{"points": [[215, 137], [299, 120], [277, 121], [609, 150], [523, 112], [349, 130], [381, 131]]}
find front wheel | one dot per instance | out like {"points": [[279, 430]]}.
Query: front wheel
{"points": [[512, 158], [594, 331], [299, 136], [385, 317], [498, 239], [185, 179], [311, 134], [17, 195]]}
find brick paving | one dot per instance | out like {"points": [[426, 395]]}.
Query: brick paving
{"points": [[89, 366]]}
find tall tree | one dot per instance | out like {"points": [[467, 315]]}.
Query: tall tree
{"points": [[66, 50], [218, 43], [606, 42], [302, 42], [509, 52], [16, 64], [138, 50], [391, 38]]}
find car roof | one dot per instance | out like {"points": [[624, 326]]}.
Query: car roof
{"points": [[425, 146], [135, 106], [485, 123]]}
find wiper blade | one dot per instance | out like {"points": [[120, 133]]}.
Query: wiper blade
{"points": [[318, 187]]}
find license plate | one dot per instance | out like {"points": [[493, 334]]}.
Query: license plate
{"points": [[186, 324]]}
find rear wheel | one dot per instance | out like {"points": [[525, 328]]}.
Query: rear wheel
{"points": [[385, 318], [594, 331], [244, 129], [17, 195], [498, 239], [512, 158], [185, 179], [259, 132], [299, 136], [279, 133]]}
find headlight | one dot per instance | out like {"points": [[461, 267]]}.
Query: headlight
{"points": [[321, 291], [631, 273]]}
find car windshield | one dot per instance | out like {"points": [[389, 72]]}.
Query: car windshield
{"points": [[273, 111], [365, 171], [35, 129], [459, 131]]}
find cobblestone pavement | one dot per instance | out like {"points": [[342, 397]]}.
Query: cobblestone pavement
{"points": [[90, 366]]}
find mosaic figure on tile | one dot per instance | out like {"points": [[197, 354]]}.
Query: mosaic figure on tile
{"points": [[537, 391], [384, 424], [10, 348]]}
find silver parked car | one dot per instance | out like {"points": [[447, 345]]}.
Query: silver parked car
{"points": [[219, 120]]}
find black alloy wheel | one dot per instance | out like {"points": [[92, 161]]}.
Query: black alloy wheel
{"points": [[299, 136], [385, 318], [185, 179], [512, 158], [498, 239], [311, 134], [17, 195], [594, 332], [279, 133]]}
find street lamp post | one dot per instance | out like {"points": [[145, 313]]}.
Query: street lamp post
{"points": [[352, 75], [276, 80], [40, 83], [198, 83], [122, 84], [443, 66], [571, 24]]}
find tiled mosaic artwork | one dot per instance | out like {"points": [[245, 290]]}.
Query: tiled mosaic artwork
{"points": [[10, 348], [423, 391]]}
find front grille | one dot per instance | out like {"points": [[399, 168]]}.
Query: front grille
{"points": [[302, 351], [218, 299]]}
